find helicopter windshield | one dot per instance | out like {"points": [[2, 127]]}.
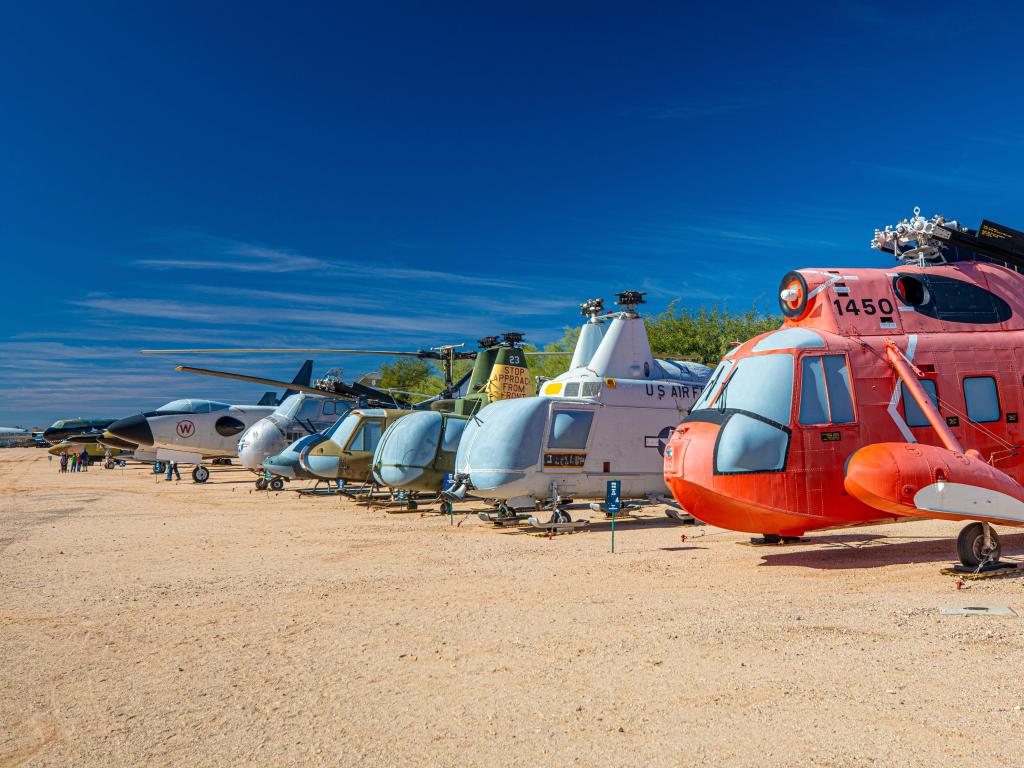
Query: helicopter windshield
{"points": [[343, 428], [711, 390], [312, 408], [289, 407], [761, 385]]}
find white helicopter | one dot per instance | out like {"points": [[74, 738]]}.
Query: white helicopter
{"points": [[608, 418], [191, 431]]}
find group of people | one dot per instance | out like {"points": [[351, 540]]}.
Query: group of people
{"points": [[75, 462]]}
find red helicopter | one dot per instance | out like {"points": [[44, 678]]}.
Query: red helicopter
{"points": [[887, 394]]}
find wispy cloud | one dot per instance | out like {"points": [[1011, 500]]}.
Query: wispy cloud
{"points": [[208, 252], [943, 176]]}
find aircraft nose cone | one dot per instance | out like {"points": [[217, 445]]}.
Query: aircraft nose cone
{"points": [[113, 441], [49, 434], [135, 429]]}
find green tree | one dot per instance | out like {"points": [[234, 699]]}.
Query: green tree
{"points": [[411, 375], [704, 335], [550, 366]]}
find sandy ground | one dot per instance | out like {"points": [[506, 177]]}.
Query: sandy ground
{"points": [[145, 622]]}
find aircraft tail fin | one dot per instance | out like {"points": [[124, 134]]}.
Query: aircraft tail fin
{"points": [[269, 398], [303, 377]]}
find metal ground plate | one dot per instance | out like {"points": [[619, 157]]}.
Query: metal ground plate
{"points": [[977, 610]]}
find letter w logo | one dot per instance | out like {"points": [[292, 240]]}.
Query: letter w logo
{"points": [[186, 428]]}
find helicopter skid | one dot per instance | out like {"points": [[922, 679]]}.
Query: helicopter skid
{"points": [[554, 527], [502, 518]]}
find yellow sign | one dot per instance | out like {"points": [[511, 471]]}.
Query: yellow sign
{"points": [[509, 381]]}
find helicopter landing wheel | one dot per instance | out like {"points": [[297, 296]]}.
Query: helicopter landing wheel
{"points": [[972, 549], [261, 483], [109, 464], [560, 516], [200, 474], [446, 507], [277, 484]]}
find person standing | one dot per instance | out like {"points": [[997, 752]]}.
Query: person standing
{"points": [[172, 466], [63, 462], [83, 460], [74, 462]]}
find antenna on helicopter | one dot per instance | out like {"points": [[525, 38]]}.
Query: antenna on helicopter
{"points": [[592, 307], [630, 300]]}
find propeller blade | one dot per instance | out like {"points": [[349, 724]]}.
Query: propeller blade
{"points": [[256, 380]]}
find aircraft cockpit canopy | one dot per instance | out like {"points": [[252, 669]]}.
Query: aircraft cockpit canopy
{"points": [[193, 406], [366, 426], [308, 407]]}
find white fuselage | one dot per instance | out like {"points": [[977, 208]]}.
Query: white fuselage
{"points": [[298, 416], [192, 437], [620, 433]]}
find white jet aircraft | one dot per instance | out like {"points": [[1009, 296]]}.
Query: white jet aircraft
{"points": [[191, 431]]}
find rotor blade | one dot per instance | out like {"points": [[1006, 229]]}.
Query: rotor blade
{"points": [[255, 380], [538, 352], [282, 352]]}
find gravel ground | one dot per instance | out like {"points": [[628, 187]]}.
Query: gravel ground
{"points": [[145, 622]]}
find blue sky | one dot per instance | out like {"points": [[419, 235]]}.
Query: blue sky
{"points": [[401, 175]]}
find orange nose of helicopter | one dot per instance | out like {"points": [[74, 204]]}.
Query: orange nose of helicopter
{"points": [[752, 502]]}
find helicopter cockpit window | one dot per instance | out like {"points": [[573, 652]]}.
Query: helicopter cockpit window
{"points": [[914, 415], [289, 407], [453, 429], [343, 428], [367, 437], [982, 399], [572, 389], [762, 385], [590, 389], [711, 389], [570, 429], [825, 391], [311, 408]]}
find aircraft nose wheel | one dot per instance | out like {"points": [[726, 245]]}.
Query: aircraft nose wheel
{"points": [[972, 548], [200, 474], [277, 484], [446, 507], [261, 483]]}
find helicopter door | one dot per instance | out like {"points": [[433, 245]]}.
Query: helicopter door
{"points": [[367, 436], [827, 421], [568, 436]]}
